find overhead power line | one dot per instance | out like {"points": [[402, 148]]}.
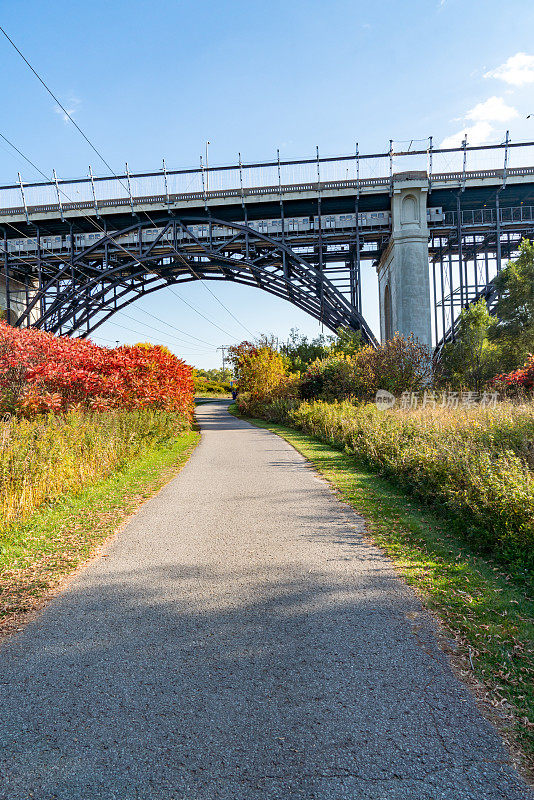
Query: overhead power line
{"points": [[116, 343], [101, 230], [99, 154], [146, 325], [140, 333], [170, 325], [228, 310], [35, 167], [53, 96]]}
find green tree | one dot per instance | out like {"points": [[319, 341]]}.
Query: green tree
{"points": [[348, 342], [300, 351], [514, 330], [217, 375], [472, 360]]}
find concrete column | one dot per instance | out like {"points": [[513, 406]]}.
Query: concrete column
{"points": [[403, 271], [17, 300]]}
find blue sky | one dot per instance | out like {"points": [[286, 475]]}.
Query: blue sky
{"points": [[149, 80]]}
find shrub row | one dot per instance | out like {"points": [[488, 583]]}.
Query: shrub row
{"points": [[206, 386], [42, 373], [477, 464], [45, 457]]}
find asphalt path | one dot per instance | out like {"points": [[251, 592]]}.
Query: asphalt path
{"points": [[241, 639]]}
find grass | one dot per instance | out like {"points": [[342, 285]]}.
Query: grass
{"points": [[484, 607], [37, 554]]}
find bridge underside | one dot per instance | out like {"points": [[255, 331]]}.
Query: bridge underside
{"points": [[73, 291]]}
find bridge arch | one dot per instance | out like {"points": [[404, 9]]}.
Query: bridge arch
{"points": [[78, 294]]}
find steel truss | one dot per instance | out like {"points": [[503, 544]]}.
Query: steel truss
{"points": [[465, 256], [75, 291]]}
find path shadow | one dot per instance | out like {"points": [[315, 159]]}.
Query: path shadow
{"points": [[202, 683]]}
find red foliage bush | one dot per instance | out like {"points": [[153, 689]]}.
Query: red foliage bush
{"points": [[522, 378], [40, 373]]}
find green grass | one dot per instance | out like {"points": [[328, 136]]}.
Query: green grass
{"points": [[36, 555], [485, 608]]}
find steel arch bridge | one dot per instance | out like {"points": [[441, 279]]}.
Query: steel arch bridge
{"points": [[77, 291], [76, 251]]}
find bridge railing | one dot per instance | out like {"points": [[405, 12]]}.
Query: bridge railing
{"points": [[357, 171]]}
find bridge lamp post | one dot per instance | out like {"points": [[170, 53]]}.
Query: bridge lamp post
{"points": [[207, 169]]}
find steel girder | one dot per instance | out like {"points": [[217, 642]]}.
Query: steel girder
{"points": [[76, 291]]}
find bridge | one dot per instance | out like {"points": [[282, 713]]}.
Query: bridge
{"points": [[438, 225]]}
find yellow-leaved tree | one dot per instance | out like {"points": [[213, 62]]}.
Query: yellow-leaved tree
{"points": [[260, 372]]}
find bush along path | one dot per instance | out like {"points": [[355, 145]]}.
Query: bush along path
{"points": [[241, 639], [41, 373], [486, 605]]}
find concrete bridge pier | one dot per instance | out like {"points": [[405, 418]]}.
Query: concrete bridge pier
{"points": [[14, 298], [403, 273]]}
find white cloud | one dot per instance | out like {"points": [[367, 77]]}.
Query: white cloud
{"points": [[70, 107], [494, 109], [478, 133], [517, 70], [483, 115]]}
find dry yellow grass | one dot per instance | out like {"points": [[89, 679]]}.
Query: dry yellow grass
{"points": [[44, 458]]}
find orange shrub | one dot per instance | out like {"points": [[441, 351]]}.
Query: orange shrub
{"points": [[519, 379]]}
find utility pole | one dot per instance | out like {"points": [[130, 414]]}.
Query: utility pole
{"points": [[223, 348]]}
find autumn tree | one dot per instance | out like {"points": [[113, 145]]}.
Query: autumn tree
{"points": [[260, 371]]}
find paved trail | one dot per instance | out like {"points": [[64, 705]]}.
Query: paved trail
{"points": [[241, 641]]}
